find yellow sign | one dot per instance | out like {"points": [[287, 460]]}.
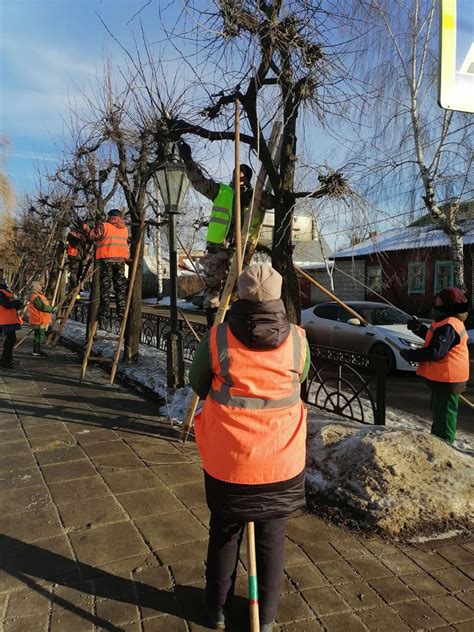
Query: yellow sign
{"points": [[456, 56]]}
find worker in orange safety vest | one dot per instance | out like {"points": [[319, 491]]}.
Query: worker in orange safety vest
{"points": [[10, 322], [251, 435], [444, 360], [39, 314], [111, 253]]}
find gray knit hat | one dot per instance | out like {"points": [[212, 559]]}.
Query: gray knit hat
{"points": [[259, 282]]}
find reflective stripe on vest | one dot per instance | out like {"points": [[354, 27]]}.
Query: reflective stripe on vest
{"points": [[252, 428], [9, 316], [224, 396], [454, 367], [114, 243], [36, 316]]}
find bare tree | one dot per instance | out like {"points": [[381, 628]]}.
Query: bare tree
{"points": [[279, 59], [415, 154]]}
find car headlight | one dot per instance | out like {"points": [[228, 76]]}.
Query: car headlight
{"points": [[411, 343]]}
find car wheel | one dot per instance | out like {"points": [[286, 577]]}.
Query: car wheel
{"points": [[383, 351]]}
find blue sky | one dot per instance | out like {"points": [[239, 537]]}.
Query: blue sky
{"points": [[49, 49]]}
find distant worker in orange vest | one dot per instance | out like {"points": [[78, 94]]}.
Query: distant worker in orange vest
{"points": [[75, 256], [39, 313], [10, 322], [111, 252], [444, 360], [251, 435]]}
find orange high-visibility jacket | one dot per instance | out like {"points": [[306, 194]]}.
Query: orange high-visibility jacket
{"points": [[454, 367], [71, 251], [37, 317], [114, 243], [252, 428], [9, 316]]}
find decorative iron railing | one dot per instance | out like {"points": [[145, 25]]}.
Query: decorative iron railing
{"points": [[153, 331], [350, 385]]}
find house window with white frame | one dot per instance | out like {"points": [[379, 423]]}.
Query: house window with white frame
{"points": [[444, 275], [375, 278], [416, 277]]}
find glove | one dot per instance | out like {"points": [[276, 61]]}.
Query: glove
{"points": [[184, 151], [406, 354], [413, 324]]}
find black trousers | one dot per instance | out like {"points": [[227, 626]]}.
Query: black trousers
{"points": [[10, 341], [223, 554]]}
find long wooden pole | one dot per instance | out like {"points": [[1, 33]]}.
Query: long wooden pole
{"points": [[231, 277], [58, 280], [131, 283], [61, 319], [237, 210], [252, 578], [330, 294], [87, 353]]}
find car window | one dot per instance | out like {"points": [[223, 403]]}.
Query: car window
{"points": [[386, 316], [343, 315], [326, 311]]}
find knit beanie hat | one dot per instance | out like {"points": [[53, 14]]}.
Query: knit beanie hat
{"points": [[36, 287], [259, 282], [454, 301], [114, 212], [247, 171]]}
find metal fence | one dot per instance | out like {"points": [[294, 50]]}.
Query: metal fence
{"points": [[153, 331], [350, 385]]}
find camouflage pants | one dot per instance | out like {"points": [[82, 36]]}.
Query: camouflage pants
{"points": [[112, 274], [74, 265], [215, 270]]}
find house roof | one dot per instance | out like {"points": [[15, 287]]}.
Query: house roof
{"points": [[409, 238]]}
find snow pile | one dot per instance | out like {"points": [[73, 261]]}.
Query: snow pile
{"points": [[148, 373], [395, 480]]}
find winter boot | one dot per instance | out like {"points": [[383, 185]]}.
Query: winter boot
{"points": [[266, 627], [214, 617], [36, 348]]}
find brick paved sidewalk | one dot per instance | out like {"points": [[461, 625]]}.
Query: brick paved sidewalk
{"points": [[104, 528]]}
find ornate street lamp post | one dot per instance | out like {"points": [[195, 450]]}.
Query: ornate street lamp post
{"points": [[173, 183]]}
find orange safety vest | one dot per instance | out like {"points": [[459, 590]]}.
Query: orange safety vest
{"points": [[9, 316], [454, 367], [36, 316], [114, 243], [71, 251], [252, 428]]}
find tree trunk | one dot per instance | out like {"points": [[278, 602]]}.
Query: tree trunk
{"points": [[457, 252], [282, 259], [134, 322]]}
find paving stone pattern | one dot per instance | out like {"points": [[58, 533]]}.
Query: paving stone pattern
{"points": [[104, 527]]}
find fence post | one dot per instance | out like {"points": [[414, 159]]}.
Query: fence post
{"points": [[381, 390]]}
